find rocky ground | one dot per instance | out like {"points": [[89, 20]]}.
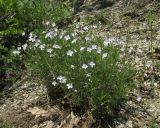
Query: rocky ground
{"points": [[26, 104]]}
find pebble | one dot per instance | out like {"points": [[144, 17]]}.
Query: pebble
{"points": [[129, 124], [158, 119]]}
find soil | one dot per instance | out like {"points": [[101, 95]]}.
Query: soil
{"points": [[26, 105]]}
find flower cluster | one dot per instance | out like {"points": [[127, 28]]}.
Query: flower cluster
{"points": [[82, 64]]}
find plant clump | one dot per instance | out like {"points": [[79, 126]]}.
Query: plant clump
{"points": [[91, 71]]}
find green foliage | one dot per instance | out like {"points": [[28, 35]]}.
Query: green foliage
{"points": [[5, 125], [10, 67], [153, 124], [150, 17], [89, 71], [18, 16]]}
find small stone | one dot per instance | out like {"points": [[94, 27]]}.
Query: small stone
{"points": [[120, 126], [47, 124], [129, 124], [35, 126], [139, 98], [158, 119]]}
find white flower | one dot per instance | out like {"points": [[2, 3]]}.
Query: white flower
{"points": [[23, 33], [56, 30], [139, 50], [122, 49], [89, 49], [82, 48], [104, 55], [81, 31], [88, 75], [42, 46], [24, 46], [67, 37], [87, 38], [137, 59], [94, 26], [70, 53], [72, 66], [19, 48], [94, 47], [130, 50], [75, 90], [52, 55], [106, 42], [32, 38], [16, 52], [75, 50], [36, 44], [51, 34], [74, 34], [47, 22], [62, 79], [109, 41], [53, 24], [148, 64], [85, 28], [99, 50], [56, 46], [69, 86], [54, 83], [49, 50], [84, 66], [61, 36], [139, 98], [73, 41], [92, 64]]}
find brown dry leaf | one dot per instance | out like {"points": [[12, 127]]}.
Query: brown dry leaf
{"points": [[37, 112], [70, 121], [73, 121]]}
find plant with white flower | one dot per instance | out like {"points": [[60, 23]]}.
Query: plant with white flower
{"points": [[67, 37], [32, 37], [24, 46], [92, 64], [54, 83], [49, 50], [16, 52], [47, 23], [85, 28], [99, 50], [19, 48], [72, 67], [89, 49], [69, 86], [57, 46], [110, 40], [53, 24], [82, 48], [88, 75], [104, 55], [70, 52], [36, 44], [94, 47], [74, 41], [42, 46], [87, 38], [74, 34], [62, 79], [85, 66], [79, 59], [23, 33]]}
